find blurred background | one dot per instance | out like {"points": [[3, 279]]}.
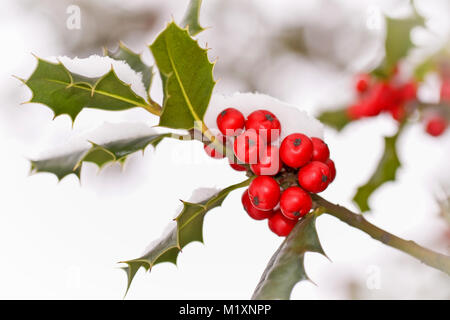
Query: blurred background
{"points": [[62, 240]]}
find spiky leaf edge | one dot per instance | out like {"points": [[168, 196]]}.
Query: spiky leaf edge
{"points": [[175, 244]]}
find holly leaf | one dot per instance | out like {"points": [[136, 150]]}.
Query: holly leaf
{"points": [[65, 92], [286, 267], [398, 42], [191, 18], [336, 119], [134, 61], [385, 171], [188, 228], [100, 154], [188, 78]]}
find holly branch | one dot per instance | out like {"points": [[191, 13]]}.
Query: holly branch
{"points": [[431, 258], [188, 82]]}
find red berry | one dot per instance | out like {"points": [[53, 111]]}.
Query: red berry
{"points": [[408, 91], [362, 82], [320, 150], [269, 163], [314, 177], [445, 89], [265, 123], [398, 112], [230, 121], [296, 150], [355, 111], [436, 126], [295, 203], [238, 167], [281, 225], [252, 211], [332, 167], [248, 146], [264, 193], [213, 153]]}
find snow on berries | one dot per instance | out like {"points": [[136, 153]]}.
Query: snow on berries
{"points": [[287, 163]]}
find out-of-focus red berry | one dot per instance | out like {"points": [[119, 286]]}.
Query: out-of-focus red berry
{"points": [[445, 89], [408, 91], [436, 125], [362, 82]]}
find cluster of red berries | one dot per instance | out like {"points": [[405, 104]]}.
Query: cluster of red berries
{"points": [[286, 173], [375, 97]]}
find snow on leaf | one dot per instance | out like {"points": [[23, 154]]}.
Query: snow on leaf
{"points": [[134, 61], [67, 92], [188, 227], [116, 148]]}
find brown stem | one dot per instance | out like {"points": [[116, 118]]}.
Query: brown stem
{"points": [[429, 257]]}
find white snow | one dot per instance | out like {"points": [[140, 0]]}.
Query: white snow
{"points": [[105, 133], [96, 66], [292, 118]]}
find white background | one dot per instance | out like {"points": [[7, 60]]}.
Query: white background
{"points": [[63, 240]]}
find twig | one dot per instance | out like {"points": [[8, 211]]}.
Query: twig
{"points": [[429, 257]]}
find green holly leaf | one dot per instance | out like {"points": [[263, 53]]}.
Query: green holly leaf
{"points": [[336, 119], [65, 92], [100, 154], [134, 61], [398, 42], [191, 18], [187, 75], [188, 228], [386, 171], [286, 267]]}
